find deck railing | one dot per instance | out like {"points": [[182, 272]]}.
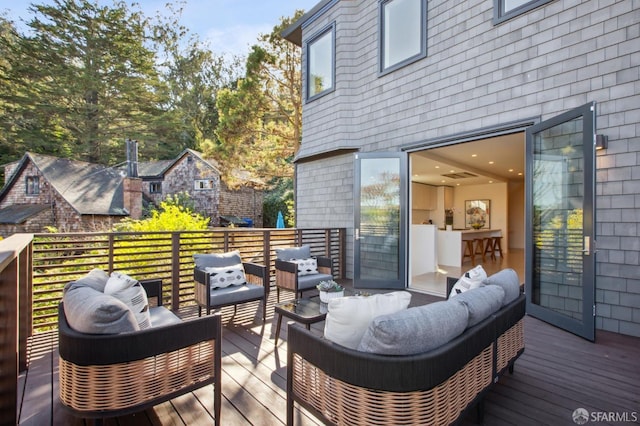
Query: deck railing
{"points": [[60, 258]]}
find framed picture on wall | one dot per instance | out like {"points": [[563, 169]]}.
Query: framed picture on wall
{"points": [[477, 214]]}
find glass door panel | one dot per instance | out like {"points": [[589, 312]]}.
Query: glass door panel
{"points": [[560, 228], [380, 220]]}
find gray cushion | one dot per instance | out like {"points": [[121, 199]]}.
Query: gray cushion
{"points": [[234, 294], [217, 260], [96, 279], [302, 252], [509, 281], [415, 330], [306, 282], [480, 302], [161, 316], [89, 311]]}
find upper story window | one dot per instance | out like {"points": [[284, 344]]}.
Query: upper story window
{"points": [[32, 185], [507, 9], [203, 184], [155, 187], [403, 38], [321, 63]]}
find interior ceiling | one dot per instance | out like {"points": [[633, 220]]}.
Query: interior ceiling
{"points": [[491, 160]]}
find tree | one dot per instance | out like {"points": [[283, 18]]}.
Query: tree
{"points": [[84, 80], [260, 119]]}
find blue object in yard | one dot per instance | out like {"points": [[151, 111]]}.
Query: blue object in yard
{"points": [[249, 221], [280, 221]]}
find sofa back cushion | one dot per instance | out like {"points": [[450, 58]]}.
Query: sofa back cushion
{"points": [[348, 317], [131, 292], [415, 330], [480, 302], [217, 260], [509, 281], [90, 311], [96, 279], [288, 253]]}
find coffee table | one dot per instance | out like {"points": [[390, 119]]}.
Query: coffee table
{"points": [[304, 311]]}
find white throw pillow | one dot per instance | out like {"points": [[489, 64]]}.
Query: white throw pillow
{"points": [[473, 278], [349, 317], [225, 276], [131, 292], [308, 266]]}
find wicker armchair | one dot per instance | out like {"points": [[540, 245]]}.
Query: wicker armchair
{"points": [[208, 296], [287, 274], [108, 375]]}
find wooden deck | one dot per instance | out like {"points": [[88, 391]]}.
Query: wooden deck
{"points": [[557, 374]]}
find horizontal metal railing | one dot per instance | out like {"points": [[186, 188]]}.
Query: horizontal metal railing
{"points": [[61, 258]]}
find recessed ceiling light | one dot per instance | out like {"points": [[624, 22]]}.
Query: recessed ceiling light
{"points": [[490, 162], [490, 181], [437, 167], [443, 181], [452, 171], [520, 174], [474, 155], [511, 170], [457, 184]]}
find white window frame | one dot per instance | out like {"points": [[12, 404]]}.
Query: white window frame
{"points": [[204, 184], [32, 185]]}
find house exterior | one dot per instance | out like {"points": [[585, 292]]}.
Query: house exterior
{"points": [[75, 196], [387, 79]]}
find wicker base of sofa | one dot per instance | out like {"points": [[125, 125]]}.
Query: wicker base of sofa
{"points": [[341, 403], [510, 346], [97, 390]]}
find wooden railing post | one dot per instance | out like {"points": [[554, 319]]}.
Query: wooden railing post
{"points": [[175, 271], [15, 253]]}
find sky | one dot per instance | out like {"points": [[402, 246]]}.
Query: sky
{"points": [[229, 26]]}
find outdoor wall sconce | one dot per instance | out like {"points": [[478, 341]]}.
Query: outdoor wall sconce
{"points": [[602, 142]]}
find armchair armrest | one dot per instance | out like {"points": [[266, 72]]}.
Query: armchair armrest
{"points": [[286, 266], [256, 274], [153, 288], [324, 262]]}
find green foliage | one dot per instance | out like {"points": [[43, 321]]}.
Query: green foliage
{"points": [[260, 118], [279, 199], [174, 214]]}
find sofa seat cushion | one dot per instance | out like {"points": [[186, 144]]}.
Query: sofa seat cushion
{"points": [[234, 294], [480, 302], [161, 316], [509, 281], [348, 317], [90, 311], [415, 330], [306, 282]]}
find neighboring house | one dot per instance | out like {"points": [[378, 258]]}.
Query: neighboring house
{"points": [[75, 196], [395, 88]]}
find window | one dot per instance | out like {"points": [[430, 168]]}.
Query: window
{"points": [[403, 26], [507, 9], [155, 187], [320, 63], [32, 185], [203, 184]]}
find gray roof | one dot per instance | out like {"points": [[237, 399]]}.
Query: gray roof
{"points": [[89, 188], [19, 213], [293, 33]]}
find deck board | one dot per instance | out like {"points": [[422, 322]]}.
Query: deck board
{"points": [[557, 373]]}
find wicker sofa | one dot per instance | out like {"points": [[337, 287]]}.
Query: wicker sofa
{"points": [[344, 386], [108, 375]]}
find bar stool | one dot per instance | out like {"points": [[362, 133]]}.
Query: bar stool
{"points": [[497, 246], [488, 248], [479, 247], [469, 251]]}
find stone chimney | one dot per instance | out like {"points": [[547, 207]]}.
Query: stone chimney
{"points": [[132, 184]]}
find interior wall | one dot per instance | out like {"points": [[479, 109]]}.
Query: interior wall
{"points": [[497, 193]]}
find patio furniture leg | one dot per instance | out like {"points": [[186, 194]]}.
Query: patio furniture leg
{"points": [[278, 328]]}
